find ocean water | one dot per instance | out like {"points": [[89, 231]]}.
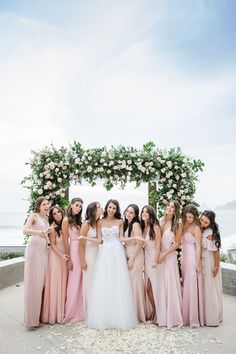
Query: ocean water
{"points": [[11, 225]]}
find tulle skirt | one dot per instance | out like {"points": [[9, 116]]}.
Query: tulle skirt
{"points": [[111, 303]]}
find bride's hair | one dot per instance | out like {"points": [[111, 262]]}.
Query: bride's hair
{"points": [[117, 214], [135, 218]]}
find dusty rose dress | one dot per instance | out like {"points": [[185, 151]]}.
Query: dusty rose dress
{"points": [[193, 304], [55, 289], [74, 297], [171, 291], [91, 251], [36, 258], [154, 275], [212, 285], [137, 279]]}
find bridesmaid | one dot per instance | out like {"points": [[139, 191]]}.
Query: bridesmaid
{"points": [[36, 257], [211, 269], [71, 230], [151, 232], [88, 247], [56, 278], [193, 306], [135, 257], [171, 230]]}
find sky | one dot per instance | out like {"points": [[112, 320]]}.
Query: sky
{"points": [[119, 72]]}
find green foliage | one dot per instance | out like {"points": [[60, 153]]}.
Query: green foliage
{"points": [[53, 170], [9, 255]]}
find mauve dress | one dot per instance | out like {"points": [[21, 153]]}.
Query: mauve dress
{"points": [[36, 258], [171, 291], [154, 275], [137, 278], [74, 296], [55, 288], [212, 285], [193, 301]]}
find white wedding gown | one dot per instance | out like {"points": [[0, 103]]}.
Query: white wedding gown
{"points": [[111, 303]]}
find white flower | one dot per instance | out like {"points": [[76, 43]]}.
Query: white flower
{"points": [[59, 179], [163, 170], [183, 175], [89, 158], [40, 191], [89, 169], [108, 171], [169, 164], [103, 154], [77, 160], [177, 177], [169, 174], [51, 165], [62, 194], [174, 185]]}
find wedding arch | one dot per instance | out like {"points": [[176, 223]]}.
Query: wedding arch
{"points": [[170, 173]]}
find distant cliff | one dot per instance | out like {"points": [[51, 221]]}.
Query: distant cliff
{"points": [[227, 206]]}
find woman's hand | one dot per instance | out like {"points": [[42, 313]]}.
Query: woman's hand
{"points": [[198, 268], [83, 264], [161, 258], [154, 263], [215, 271], [69, 265], [65, 257]]}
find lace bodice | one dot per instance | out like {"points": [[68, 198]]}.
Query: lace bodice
{"points": [[110, 234]]}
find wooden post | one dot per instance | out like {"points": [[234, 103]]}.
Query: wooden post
{"points": [[151, 188]]}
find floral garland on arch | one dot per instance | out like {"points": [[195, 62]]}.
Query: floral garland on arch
{"points": [[53, 170]]}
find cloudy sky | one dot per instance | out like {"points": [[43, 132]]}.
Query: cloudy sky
{"points": [[119, 72]]}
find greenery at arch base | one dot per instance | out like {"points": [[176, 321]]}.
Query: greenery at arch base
{"points": [[54, 169]]}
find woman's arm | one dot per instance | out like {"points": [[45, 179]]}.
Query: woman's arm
{"points": [[52, 236], [175, 245], [216, 267], [137, 233], [27, 227], [64, 228], [157, 231], [83, 232], [198, 238]]}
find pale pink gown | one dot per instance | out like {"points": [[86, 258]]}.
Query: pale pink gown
{"points": [[171, 291], [74, 295], [55, 289], [137, 279], [193, 301], [212, 285], [91, 251], [154, 275], [36, 258]]}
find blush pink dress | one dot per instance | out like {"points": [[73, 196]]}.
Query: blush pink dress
{"points": [[137, 279], [36, 258], [74, 296], [55, 289], [212, 285], [193, 304], [154, 275], [171, 291]]}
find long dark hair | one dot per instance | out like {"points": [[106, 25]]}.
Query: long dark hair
{"points": [[90, 214], [52, 220], [128, 225], [214, 226], [177, 215], [117, 214], [74, 220], [191, 209], [151, 222]]}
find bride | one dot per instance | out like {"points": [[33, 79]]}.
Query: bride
{"points": [[111, 303]]}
